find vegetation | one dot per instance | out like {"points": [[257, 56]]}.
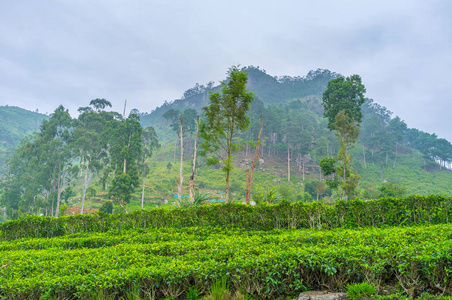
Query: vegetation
{"points": [[396, 245], [342, 102], [294, 139], [384, 212], [16, 124], [169, 261], [225, 117]]}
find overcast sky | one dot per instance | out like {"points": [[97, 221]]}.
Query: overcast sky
{"points": [[69, 52]]}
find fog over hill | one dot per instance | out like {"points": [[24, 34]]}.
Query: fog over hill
{"points": [[69, 52]]}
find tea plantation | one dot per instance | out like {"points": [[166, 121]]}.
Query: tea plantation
{"points": [[263, 252]]}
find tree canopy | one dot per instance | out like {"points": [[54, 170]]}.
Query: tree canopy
{"points": [[225, 117]]}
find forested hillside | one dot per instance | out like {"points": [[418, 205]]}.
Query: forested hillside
{"points": [[85, 162], [388, 151], [16, 124]]}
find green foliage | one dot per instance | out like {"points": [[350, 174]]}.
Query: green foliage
{"points": [[199, 198], [360, 290], [91, 191], [219, 290], [345, 94], [342, 102], [107, 207], [269, 196], [122, 188], [16, 124], [63, 209], [192, 293], [327, 164], [355, 213], [391, 189], [225, 117], [100, 104], [120, 261]]}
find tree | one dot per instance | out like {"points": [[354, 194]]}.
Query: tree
{"points": [[398, 128], [249, 175], [125, 148], [225, 117], [39, 171], [347, 132], [192, 176], [100, 104], [149, 142], [181, 169], [391, 189], [56, 137], [89, 141], [344, 94], [342, 102]]}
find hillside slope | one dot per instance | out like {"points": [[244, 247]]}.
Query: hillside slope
{"points": [[294, 134], [16, 124], [387, 149]]}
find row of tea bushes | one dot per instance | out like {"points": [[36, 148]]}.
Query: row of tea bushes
{"points": [[350, 214], [165, 262]]}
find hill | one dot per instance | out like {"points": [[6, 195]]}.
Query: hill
{"points": [[16, 124], [392, 159], [387, 151]]}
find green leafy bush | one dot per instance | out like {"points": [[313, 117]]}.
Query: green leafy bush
{"points": [[166, 262], [315, 215], [107, 207], [360, 290], [192, 293]]}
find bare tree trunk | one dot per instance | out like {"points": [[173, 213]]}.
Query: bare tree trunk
{"points": [[395, 160], [175, 146], [303, 169], [123, 207], [142, 193], [58, 189], [85, 185], [192, 177], [226, 196], [181, 157], [249, 175], [288, 162], [84, 192], [345, 158], [364, 155], [81, 163], [298, 160]]}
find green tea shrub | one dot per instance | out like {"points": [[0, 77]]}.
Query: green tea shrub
{"points": [[167, 261], [356, 213]]}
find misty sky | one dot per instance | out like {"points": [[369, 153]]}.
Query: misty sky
{"points": [[69, 52]]}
